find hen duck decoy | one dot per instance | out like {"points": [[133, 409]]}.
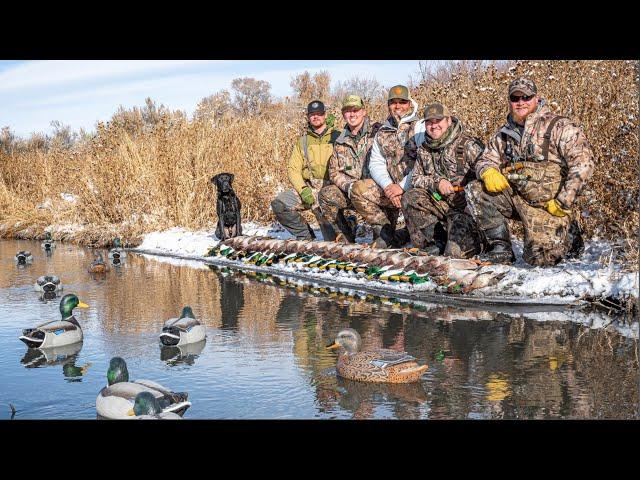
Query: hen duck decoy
{"points": [[98, 265], [380, 365], [183, 330], [57, 333], [116, 400]]}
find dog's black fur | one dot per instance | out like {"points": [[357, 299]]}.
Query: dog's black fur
{"points": [[227, 207]]}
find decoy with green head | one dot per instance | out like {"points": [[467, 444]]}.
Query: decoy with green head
{"points": [[116, 400], [57, 333], [183, 330], [117, 253], [48, 244], [147, 407], [376, 365]]}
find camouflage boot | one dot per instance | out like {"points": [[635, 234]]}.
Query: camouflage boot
{"points": [[436, 239], [500, 250], [382, 236]]}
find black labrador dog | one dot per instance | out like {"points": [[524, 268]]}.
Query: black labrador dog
{"points": [[227, 207]]}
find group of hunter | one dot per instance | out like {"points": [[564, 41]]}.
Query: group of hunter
{"points": [[455, 192]]}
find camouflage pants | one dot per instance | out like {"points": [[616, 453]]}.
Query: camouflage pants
{"points": [[370, 201], [546, 237], [422, 212], [287, 207], [333, 202]]}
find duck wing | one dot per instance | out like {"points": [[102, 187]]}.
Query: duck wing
{"points": [[384, 358]]}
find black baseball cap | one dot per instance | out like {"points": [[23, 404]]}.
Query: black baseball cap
{"points": [[315, 107]]}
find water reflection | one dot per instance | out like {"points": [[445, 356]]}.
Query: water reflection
{"points": [[266, 354], [183, 354], [66, 356]]}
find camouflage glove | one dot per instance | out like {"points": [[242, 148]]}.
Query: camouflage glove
{"points": [[554, 208], [307, 196], [494, 181]]}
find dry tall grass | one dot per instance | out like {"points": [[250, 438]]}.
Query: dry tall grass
{"points": [[132, 178]]}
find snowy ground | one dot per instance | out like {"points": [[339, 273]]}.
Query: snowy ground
{"points": [[590, 276]]}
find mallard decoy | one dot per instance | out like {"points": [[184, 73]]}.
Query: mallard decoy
{"points": [[146, 407], [117, 253], [381, 365], [57, 333], [48, 284], [98, 265], [23, 257], [48, 244], [116, 400], [183, 330]]}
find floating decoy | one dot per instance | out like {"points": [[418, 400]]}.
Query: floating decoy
{"points": [[183, 330]]}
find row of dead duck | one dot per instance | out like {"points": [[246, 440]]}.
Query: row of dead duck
{"points": [[145, 399]]}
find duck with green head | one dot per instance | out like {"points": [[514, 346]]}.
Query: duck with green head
{"points": [[48, 244], [147, 407], [379, 365], [57, 333], [116, 400], [117, 253], [183, 330], [98, 265]]}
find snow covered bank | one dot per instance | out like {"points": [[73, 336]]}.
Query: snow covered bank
{"points": [[587, 277]]}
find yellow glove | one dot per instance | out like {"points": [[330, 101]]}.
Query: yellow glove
{"points": [[494, 180], [554, 208]]}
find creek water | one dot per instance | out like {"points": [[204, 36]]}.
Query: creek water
{"points": [[264, 356]]}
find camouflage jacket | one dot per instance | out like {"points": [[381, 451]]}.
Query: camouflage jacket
{"points": [[569, 150], [349, 161], [433, 165], [393, 153]]}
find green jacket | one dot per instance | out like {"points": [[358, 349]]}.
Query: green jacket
{"points": [[319, 149]]}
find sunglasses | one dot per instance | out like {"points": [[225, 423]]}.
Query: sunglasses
{"points": [[517, 98]]}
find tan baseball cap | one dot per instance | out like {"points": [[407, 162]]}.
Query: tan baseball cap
{"points": [[352, 101], [436, 110], [523, 85], [399, 91]]}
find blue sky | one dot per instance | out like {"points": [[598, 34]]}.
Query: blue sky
{"points": [[80, 92]]}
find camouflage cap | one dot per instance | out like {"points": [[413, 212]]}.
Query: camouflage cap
{"points": [[399, 91], [523, 85], [436, 110], [352, 101], [315, 107]]}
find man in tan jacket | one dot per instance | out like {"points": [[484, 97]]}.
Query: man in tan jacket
{"points": [[308, 173]]}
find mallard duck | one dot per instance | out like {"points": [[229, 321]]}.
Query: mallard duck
{"points": [[48, 244], [57, 333], [117, 399], [183, 330], [48, 284], [382, 365], [117, 253], [146, 407], [98, 265], [23, 257]]}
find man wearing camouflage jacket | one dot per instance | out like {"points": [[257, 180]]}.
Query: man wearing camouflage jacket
{"points": [[532, 170], [445, 162], [347, 164], [393, 155]]}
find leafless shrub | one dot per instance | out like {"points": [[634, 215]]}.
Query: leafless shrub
{"points": [[251, 95]]}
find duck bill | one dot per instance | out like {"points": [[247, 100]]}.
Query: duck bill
{"points": [[333, 346], [83, 305], [131, 413]]}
